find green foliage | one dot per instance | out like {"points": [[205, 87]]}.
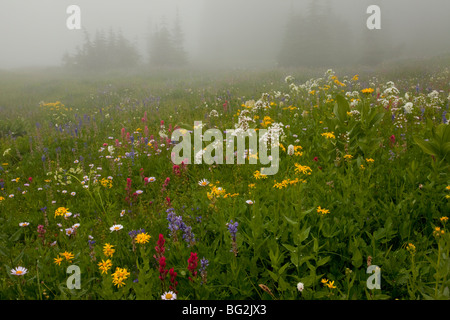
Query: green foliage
{"points": [[371, 197]]}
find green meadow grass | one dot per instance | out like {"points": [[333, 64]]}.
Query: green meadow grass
{"points": [[374, 189]]}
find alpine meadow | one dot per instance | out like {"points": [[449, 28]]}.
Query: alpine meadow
{"points": [[225, 150]]}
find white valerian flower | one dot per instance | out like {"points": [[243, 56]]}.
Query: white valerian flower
{"points": [[290, 150], [213, 113], [289, 79], [408, 108], [6, 152], [300, 286]]}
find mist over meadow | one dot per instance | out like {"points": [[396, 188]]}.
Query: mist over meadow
{"points": [[217, 33]]}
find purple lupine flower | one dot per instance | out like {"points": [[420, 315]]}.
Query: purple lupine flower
{"points": [[232, 228], [203, 273], [188, 235]]}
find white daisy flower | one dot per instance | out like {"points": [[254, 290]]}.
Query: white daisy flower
{"points": [[116, 227], [69, 231], [152, 179], [249, 202], [122, 213], [19, 271], [203, 182], [170, 295], [24, 224]]}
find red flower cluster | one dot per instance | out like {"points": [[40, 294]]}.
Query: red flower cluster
{"points": [[192, 265]]}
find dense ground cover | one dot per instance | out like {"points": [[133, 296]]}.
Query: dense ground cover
{"points": [[86, 179]]}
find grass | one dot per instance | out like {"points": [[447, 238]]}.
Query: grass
{"points": [[374, 189]]}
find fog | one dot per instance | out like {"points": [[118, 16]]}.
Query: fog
{"points": [[227, 33]]}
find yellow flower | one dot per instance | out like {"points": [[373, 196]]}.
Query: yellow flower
{"points": [[370, 160], [258, 175], [447, 188], [367, 90], [322, 211], [331, 285], [329, 135], [438, 232], [348, 156], [142, 238], [303, 169], [61, 211], [324, 281], [58, 260], [68, 255], [119, 276], [5, 164], [104, 266], [355, 78], [444, 219], [107, 183], [411, 248], [108, 250]]}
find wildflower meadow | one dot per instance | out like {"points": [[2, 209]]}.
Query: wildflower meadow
{"points": [[92, 207]]}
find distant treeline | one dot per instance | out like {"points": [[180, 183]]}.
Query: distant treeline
{"points": [[112, 50], [317, 39]]}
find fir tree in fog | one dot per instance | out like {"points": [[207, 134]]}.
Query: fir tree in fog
{"points": [[112, 51]]}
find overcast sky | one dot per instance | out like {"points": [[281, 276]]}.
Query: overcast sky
{"points": [[34, 32]]}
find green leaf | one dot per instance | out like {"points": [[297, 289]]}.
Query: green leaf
{"points": [[357, 259], [303, 235], [323, 261]]}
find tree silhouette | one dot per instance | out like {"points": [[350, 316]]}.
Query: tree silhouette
{"points": [[113, 51], [166, 47]]}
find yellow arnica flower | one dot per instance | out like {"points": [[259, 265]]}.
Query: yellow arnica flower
{"points": [[120, 276], [438, 232], [58, 260], [104, 266], [367, 90], [142, 238], [444, 219], [61, 211], [322, 211], [330, 284], [411, 248], [329, 135], [68, 255], [303, 169], [108, 250], [348, 156], [258, 175], [370, 160]]}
